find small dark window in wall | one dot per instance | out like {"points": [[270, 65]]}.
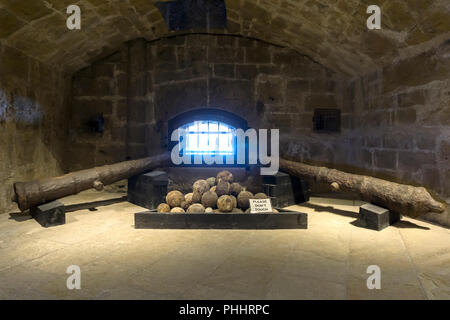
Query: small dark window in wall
{"points": [[327, 120]]}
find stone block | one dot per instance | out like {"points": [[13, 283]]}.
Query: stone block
{"points": [[173, 98], [295, 91], [406, 116], [226, 41], [385, 159], [444, 151], [319, 86], [270, 90], [246, 72], [398, 140], [412, 161], [148, 190], [315, 101], [246, 42], [136, 151], [224, 70], [375, 217], [411, 99], [49, 214], [189, 55], [257, 55], [277, 179], [285, 190], [235, 94], [225, 55], [137, 133]]}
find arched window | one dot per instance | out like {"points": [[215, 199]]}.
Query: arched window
{"points": [[209, 137], [207, 131]]}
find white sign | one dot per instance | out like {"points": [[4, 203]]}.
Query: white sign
{"points": [[260, 206]]}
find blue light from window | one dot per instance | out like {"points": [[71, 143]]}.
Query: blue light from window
{"points": [[209, 137]]}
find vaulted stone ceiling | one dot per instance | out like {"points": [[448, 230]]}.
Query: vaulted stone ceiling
{"points": [[332, 32]]}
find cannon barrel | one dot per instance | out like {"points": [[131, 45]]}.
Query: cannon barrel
{"points": [[33, 193], [404, 199]]}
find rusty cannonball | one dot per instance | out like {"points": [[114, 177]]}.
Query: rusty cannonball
{"points": [[234, 201], [201, 186], [243, 199], [163, 207], [177, 210], [188, 198], [174, 198], [260, 196], [211, 181], [196, 208], [222, 188], [235, 188], [225, 204], [209, 210], [184, 204], [213, 189], [209, 199], [224, 175], [196, 197]]}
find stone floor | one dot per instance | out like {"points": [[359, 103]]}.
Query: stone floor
{"points": [[327, 261]]}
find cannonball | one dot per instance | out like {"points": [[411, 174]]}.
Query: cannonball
{"points": [[235, 188], [213, 189], [177, 210], [243, 199], [222, 188], [185, 205], [237, 210], [196, 208], [209, 210], [188, 198], [211, 181], [225, 204], [224, 175], [260, 196], [209, 199], [201, 186], [234, 201], [196, 197], [163, 207], [174, 198]]}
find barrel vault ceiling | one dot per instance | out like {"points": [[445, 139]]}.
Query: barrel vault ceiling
{"points": [[332, 32]]}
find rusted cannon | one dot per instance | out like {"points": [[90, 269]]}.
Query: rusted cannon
{"points": [[404, 199], [33, 193]]}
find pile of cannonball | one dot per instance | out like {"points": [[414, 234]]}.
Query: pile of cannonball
{"points": [[213, 195]]}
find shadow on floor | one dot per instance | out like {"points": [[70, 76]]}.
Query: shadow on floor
{"points": [[330, 209], [402, 224], [20, 216]]}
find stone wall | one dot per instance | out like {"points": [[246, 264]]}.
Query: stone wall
{"points": [[144, 84], [98, 91], [32, 121], [402, 123], [394, 122]]}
